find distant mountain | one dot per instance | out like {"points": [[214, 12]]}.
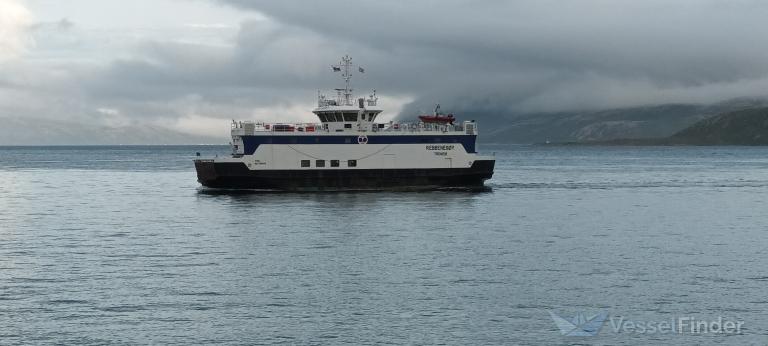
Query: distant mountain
{"points": [[744, 127], [637, 122], [660, 124], [647, 122], [15, 131]]}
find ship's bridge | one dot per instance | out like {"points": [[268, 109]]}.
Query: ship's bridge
{"points": [[342, 111], [339, 111]]}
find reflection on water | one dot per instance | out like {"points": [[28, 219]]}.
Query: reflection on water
{"points": [[246, 192], [120, 245]]}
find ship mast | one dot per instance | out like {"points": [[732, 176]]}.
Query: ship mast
{"points": [[344, 95], [345, 66]]}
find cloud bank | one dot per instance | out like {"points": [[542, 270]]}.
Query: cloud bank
{"points": [[267, 62], [549, 55]]}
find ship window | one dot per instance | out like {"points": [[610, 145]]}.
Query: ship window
{"points": [[381, 126], [350, 116], [320, 163], [304, 163], [351, 163], [322, 117], [347, 126], [334, 163]]}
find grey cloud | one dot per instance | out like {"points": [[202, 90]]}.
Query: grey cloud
{"points": [[262, 58], [496, 57], [159, 79], [532, 54]]}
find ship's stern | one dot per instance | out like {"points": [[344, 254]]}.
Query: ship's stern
{"points": [[206, 172]]}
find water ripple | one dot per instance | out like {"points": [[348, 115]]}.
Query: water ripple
{"points": [[117, 245]]}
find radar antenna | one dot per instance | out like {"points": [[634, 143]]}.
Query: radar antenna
{"points": [[346, 73]]}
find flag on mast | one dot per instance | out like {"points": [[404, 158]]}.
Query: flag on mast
{"points": [[362, 70], [336, 69]]}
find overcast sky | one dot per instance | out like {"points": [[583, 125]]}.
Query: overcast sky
{"points": [[189, 65]]}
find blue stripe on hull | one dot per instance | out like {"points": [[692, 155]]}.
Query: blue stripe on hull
{"points": [[251, 143]]}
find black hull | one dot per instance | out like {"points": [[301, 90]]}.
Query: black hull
{"points": [[235, 175]]}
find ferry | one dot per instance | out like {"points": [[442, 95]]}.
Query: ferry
{"points": [[349, 150]]}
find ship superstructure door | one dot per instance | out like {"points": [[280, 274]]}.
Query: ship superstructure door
{"points": [[470, 128]]}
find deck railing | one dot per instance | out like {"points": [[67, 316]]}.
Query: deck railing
{"points": [[309, 128]]}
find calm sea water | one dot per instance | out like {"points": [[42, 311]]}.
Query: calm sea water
{"points": [[117, 245]]}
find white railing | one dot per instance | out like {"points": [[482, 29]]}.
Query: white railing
{"points": [[420, 127], [247, 128]]}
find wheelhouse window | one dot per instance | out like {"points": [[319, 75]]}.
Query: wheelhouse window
{"points": [[350, 116], [347, 126], [320, 163], [351, 163], [334, 163], [304, 163]]}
